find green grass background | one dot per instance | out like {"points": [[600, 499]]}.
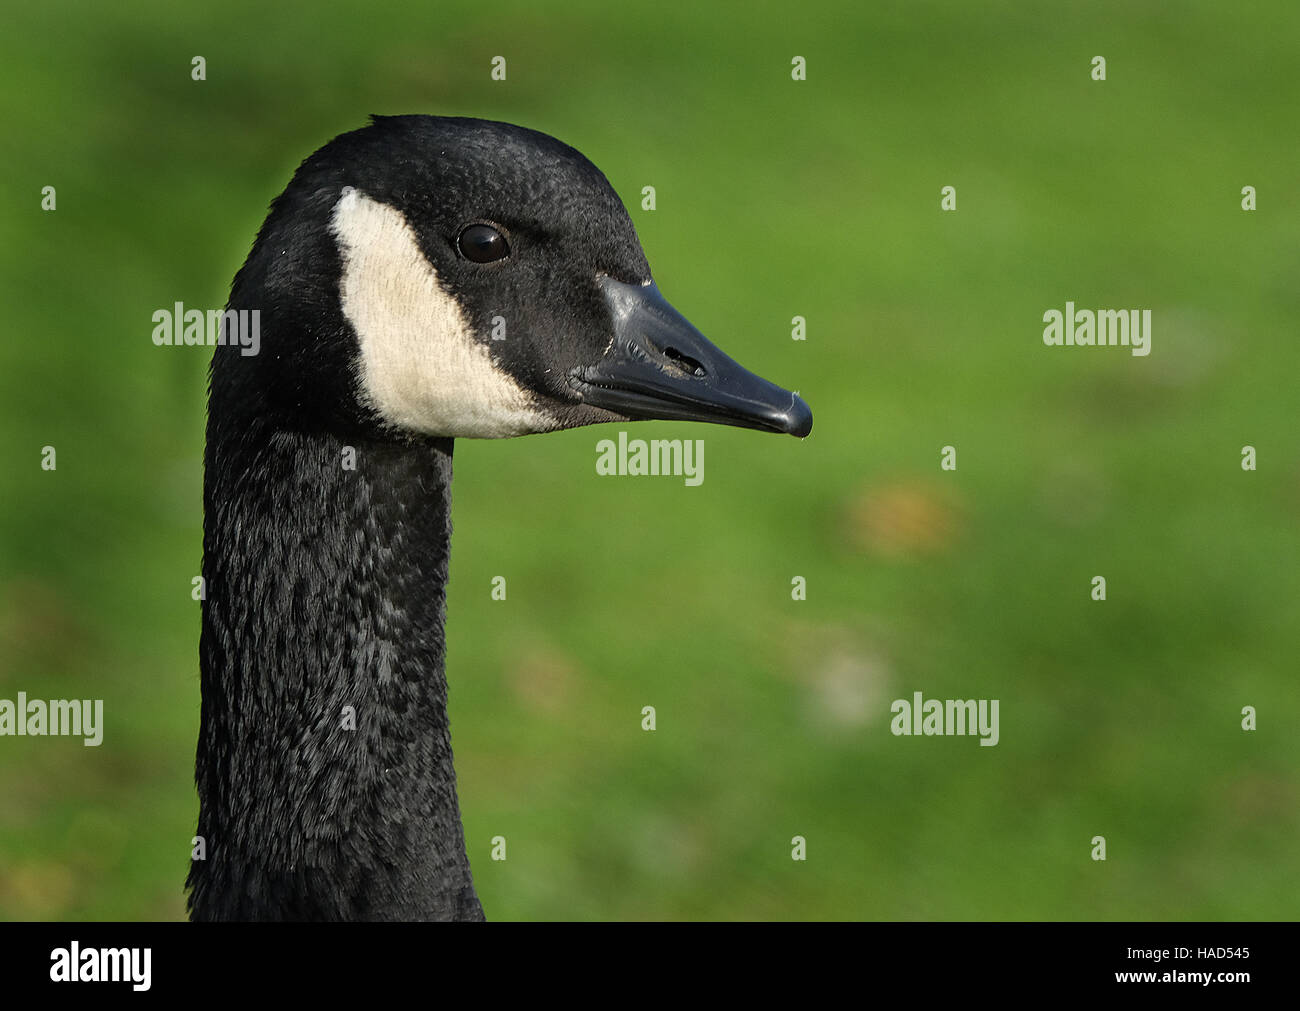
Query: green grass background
{"points": [[775, 198]]}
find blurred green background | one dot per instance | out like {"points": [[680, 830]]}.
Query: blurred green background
{"points": [[775, 199]]}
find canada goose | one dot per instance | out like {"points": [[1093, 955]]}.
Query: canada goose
{"points": [[324, 764]]}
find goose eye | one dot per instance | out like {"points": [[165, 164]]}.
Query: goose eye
{"points": [[482, 244]]}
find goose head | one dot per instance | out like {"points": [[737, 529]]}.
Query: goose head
{"points": [[480, 280], [419, 280]]}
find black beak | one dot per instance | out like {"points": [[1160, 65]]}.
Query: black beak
{"points": [[660, 366]]}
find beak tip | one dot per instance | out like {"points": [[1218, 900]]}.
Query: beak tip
{"points": [[798, 420]]}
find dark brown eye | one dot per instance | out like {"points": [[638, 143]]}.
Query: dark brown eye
{"points": [[482, 244]]}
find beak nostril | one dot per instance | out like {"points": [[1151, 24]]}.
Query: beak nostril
{"points": [[685, 362]]}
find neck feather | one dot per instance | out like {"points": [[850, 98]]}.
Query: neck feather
{"points": [[324, 764]]}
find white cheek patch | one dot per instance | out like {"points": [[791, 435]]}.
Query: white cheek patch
{"points": [[421, 367]]}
